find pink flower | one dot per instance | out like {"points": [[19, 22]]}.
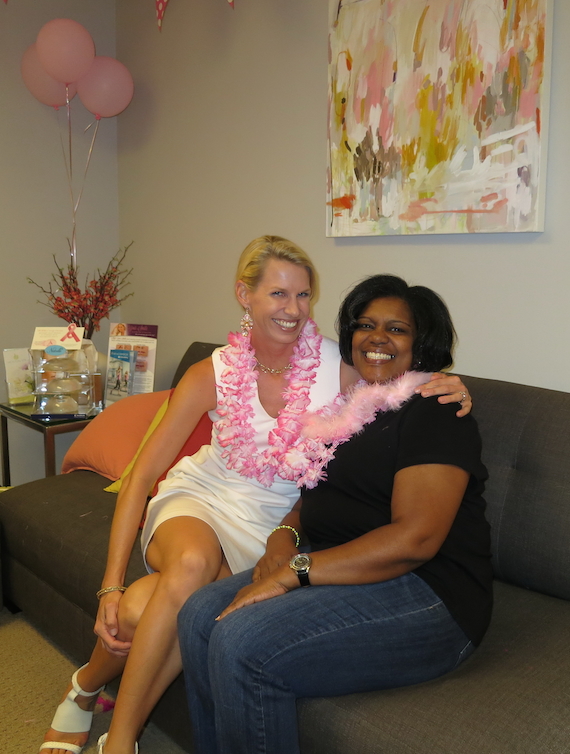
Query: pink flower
{"points": [[296, 459], [305, 362]]}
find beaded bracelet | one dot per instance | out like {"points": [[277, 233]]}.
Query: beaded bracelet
{"points": [[108, 589], [295, 532]]}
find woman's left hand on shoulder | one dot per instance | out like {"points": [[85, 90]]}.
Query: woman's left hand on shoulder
{"points": [[450, 389]]}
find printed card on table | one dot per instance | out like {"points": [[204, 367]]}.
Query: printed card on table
{"points": [[19, 377], [69, 337]]}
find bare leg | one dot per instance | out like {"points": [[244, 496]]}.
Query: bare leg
{"points": [[102, 666], [187, 553]]}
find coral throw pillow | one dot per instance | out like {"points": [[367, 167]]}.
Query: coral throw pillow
{"points": [[110, 443]]}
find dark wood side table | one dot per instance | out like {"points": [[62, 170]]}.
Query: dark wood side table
{"points": [[48, 427]]}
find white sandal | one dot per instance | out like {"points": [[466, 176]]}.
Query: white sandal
{"points": [[101, 743], [70, 718]]}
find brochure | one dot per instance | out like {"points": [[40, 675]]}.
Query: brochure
{"points": [[120, 375], [140, 339]]}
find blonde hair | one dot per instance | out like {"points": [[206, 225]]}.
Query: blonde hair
{"points": [[257, 254]]}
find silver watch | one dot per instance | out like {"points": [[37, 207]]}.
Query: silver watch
{"points": [[301, 564]]}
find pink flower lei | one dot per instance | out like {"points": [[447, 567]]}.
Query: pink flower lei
{"points": [[303, 443], [238, 388], [324, 430]]}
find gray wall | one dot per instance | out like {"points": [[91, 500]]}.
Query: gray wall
{"points": [[227, 140], [35, 208]]}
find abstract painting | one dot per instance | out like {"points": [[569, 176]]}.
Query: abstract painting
{"points": [[437, 116]]}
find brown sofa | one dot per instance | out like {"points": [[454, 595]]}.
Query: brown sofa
{"points": [[510, 697]]}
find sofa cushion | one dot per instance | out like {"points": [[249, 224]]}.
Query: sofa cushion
{"points": [[526, 445], [110, 441], [201, 435], [509, 697], [58, 528], [116, 485]]}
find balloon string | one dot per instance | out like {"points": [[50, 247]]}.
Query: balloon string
{"points": [[73, 244], [68, 108], [86, 166], [67, 161]]}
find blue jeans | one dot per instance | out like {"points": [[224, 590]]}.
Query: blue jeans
{"points": [[245, 672]]}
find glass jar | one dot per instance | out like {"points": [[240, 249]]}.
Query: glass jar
{"points": [[64, 381]]}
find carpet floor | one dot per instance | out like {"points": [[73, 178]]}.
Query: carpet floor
{"points": [[34, 675]]}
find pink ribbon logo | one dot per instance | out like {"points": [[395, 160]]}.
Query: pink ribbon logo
{"points": [[70, 333]]}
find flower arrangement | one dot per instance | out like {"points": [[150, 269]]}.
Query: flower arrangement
{"points": [[88, 307]]}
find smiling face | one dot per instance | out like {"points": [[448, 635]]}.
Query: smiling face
{"points": [[280, 304], [383, 340]]}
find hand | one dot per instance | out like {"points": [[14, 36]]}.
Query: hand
{"points": [[107, 625], [272, 560], [264, 589], [450, 389], [279, 550]]}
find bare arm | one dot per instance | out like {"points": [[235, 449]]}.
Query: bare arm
{"points": [[195, 394], [425, 502]]}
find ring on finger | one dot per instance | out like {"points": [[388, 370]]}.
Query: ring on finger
{"points": [[463, 396]]}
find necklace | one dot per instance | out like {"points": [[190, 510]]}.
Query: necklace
{"points": [[269, 370], [324, 430], [237, 390]]}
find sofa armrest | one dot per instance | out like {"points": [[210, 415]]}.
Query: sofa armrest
{"points": [[196, 352]]}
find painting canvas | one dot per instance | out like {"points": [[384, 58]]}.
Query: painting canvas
{"points": [[437, 116]]}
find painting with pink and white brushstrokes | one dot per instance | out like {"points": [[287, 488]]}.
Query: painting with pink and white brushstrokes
{"points": [[437, 116]]}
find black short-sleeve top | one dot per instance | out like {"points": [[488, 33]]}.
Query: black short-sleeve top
{"points": [[356, 495]]}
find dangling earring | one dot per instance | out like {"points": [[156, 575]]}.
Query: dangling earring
{"points": [[246, 323]]}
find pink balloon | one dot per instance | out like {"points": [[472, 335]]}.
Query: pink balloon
{"points": [[44, 88], [65, 49], [107, 87]]}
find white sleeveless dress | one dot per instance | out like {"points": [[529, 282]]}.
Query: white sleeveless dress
{"points": [[241, 511]]}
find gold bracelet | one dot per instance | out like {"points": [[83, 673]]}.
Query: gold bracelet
{"points": [[108, 589], [295, 532]]}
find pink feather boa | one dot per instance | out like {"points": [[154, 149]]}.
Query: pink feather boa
{"points": [[324, 430]]}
